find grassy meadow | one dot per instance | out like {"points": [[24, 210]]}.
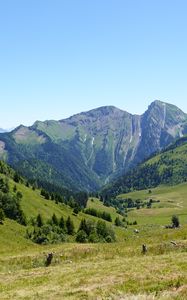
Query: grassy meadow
{"points": [[100, 271]]}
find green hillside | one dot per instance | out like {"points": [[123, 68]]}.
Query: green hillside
{"points": [[23, 203], [101, 270], [168, 167]]}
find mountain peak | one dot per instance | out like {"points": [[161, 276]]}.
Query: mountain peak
{"points": [[105, 110]]}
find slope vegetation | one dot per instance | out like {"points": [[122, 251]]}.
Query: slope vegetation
{"points": [[168, 167], [102, 271]]}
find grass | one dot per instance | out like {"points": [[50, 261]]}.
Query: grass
{"points": [[173, 200], [97, 272], [98, 205], [100, 271]]}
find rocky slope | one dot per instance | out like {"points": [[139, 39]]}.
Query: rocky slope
{"points": [[88, 149], [167, 167]]}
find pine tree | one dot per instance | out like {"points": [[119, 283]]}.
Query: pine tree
{"points": [[55, 220], [62, 223], [69, 226], [39, 220]]}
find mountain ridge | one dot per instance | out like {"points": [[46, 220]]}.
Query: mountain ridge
{"points": [[89, 149], [167, 167]]}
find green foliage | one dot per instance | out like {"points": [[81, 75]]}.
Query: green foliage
{"points": [[2, 216], [10, 204], [4, 187], [54, 231], [16, 177], [62, 223], [45, 194], [168, 167], [81, 236], [92, 232], [103, 215], [105, 232], [46, 234], [39, 220], [55, 220], [70, 226], [175, 221], [118, 222]]}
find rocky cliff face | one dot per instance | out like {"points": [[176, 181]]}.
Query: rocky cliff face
{"points": [[90, 148], [161, 124]]}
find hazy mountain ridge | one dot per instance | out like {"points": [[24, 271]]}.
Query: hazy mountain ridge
{"points": [[2, 130], [89, 149]]}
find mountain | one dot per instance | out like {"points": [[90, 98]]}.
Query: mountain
{"points": [[2, 130], [89, 149], [167, 167]]}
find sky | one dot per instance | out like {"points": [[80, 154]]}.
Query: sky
{"points": [[61, 57]]}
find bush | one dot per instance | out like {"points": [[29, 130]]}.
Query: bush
{"points": [[175, 221], [2, 216], [104, 231], [118, 222], [81, 237]]}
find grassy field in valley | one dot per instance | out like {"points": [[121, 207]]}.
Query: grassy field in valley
{"points": [[100, 271]]}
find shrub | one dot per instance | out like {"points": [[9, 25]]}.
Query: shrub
{"points": [[2, 216], [81, 237], [175, 221]]}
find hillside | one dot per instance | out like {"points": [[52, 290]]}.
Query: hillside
{"points": [[22, 203], [90, 271], [167, 167], [89, 149]]}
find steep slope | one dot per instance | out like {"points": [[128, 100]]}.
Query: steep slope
{"points": [[167, 167], [87, 150], [21, 204]]}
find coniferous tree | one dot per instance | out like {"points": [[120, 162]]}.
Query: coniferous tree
{"points": [[62, 223], [69, 226], [39, 220], [55, 220]]}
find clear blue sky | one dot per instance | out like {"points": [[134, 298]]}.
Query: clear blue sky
{"points": [[60, 57]]}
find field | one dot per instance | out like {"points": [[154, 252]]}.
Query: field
{"points": [[101, 271]]}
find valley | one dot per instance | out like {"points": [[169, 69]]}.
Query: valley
{"points": [[91, 190], [99, 271]]}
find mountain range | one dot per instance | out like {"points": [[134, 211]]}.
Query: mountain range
{"points": [[88, 150]]}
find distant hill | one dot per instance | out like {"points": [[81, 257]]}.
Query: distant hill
{"points": [[167, 167], [90, 149], [2, 130]]}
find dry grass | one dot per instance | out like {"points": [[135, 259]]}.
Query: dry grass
{"points": [[97, 272]]}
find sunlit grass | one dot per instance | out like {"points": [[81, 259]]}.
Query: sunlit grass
{"points": [[100, 271]]}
